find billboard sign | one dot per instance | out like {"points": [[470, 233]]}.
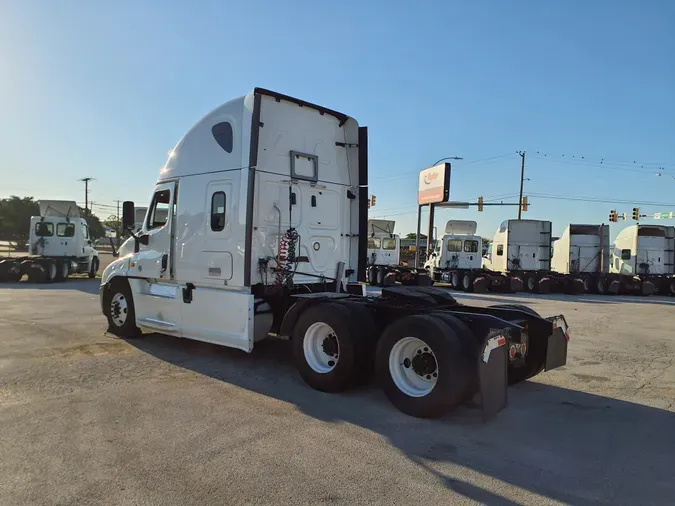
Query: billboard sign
{"points": [[434, 184]]}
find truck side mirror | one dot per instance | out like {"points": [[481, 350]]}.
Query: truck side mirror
{"points": [[128, 215]]}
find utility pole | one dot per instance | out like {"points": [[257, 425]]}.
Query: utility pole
{"points": [[86, 190], [522, 180], [117, 223]]}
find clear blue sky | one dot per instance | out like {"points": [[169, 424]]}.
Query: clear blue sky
{"points": [[105, 89]]}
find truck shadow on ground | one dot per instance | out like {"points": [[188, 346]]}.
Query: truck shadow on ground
{"points": [[82, 284], [562, 444]]}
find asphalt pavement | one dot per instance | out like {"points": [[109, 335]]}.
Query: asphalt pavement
{"points": [[90, 419]]}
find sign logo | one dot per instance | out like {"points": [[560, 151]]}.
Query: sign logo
{"points": [[434, 184]]}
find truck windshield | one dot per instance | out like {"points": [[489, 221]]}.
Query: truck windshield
{"points": [[454, 245], [389, 244], [471, 246], [374, 243], [65, 230], [44, 229]]}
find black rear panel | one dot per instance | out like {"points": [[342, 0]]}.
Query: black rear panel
{"points": [[363, 203]]}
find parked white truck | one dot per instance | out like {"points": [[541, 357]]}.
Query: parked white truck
{"points": [[265, 233], [384, 258], [646, 252], [523, 249], [59, 245], [456, 260]]}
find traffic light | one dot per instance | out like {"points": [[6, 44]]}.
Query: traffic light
{"points": [[480, 203], [372, 200], [636, 213], [612, 216], [523, 203]]}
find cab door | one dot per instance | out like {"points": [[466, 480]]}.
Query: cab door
{"points": [[156, 293]]}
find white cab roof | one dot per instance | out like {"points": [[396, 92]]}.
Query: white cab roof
{"points": [[461, 227], [59, 208], [381, 226]]}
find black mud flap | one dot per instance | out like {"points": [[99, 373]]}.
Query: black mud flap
{"points": [[556, 350], [492, 374]]}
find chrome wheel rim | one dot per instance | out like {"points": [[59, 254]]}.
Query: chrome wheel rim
{"points": [[119, 309], [413, 367]]}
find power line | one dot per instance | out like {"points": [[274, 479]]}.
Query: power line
{"points": [[605, 166], [605, 161], [599, 199]]}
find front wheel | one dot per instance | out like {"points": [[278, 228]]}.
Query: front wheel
{"points": [[120, 311], [94, 268]]}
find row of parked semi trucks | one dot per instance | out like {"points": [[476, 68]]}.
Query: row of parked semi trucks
{"points": [[524, 256]]}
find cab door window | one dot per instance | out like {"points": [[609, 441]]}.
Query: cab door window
{"points": [[158, 213]]}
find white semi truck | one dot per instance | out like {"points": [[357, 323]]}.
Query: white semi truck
{"points": [[384, 258], [59, 245], [456, 260], [265, 235], [523, 249], [647, 253]]}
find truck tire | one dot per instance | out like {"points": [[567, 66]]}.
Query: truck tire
{"points": [[381, 274], [62, 270], [51, 271], [326, 346], [467, 282], [118, 305], [671, 288], [600, 286], [93, 269], [454, 280], [470, 345], [372, 276], [421, 366], [613, 287], [36, 271], [530, 283], [366, 340], [647, 288]]}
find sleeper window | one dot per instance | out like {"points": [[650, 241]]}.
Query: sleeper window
{"points": [[218, 211], [44, 229], [389, 244], [500, 250], [471, 246], [65, 229], [625, 254], [454, 245]]}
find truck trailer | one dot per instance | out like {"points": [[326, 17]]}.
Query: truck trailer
{"points": [[59, 245], [384, 266], [265, 235], [456, 260]]}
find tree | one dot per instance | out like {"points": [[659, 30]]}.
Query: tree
{"points": [[412, 235], [114, 223], [96, 228], [15, 214]]}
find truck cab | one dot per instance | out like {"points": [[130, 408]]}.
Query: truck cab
{"points": [[260, 196], [520, 245], [459, 248], [384, 247], [644, 250]]}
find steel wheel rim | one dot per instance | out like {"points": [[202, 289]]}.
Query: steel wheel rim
{"points": [[52, 271], [530, 283], [64, 270], [119, 309], [321, 347], [455, 279], [466, 282], [406, 374]]}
